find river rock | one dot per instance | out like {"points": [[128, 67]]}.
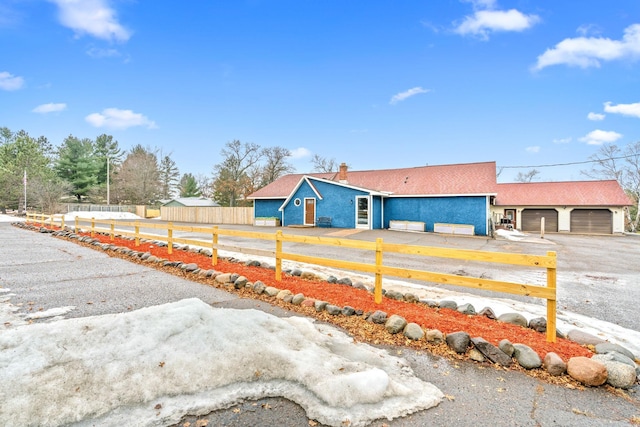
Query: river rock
{"points": [[458, 341], [240, 282], [554, 364], [607, 347], [395, 324], [506, 347], [588, 372], [448, 304], [488, 313], [333, 310], [297, 299], [270, 290], [398, 296], [476, 355], [258, 287], [619, 375], [435, 336], [514, 319], [283, 293], [379, 317], [320, 305], [467, 309], [413, 331], [583, 338], [223, 278], [491, 352], [526, 357], [538, 324]]}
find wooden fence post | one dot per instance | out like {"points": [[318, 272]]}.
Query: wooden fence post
{"points": [[214, 247], [551, 304], [279, 255], [113, 230], [170, 238], [137, 233], [93, 226], [62, 222], [378, 284], [77, 225]]}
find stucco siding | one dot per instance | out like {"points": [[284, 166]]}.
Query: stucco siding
{"points": [[267, 208], [430, 210], [337, 202]]}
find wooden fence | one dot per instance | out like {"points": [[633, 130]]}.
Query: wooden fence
{"points": [[208, 215], [378, 248]]}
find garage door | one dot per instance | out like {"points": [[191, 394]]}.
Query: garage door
{"points": [[531, 220], [591, 221]]}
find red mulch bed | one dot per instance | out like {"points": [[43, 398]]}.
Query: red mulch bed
{"points": [[445, 320]]}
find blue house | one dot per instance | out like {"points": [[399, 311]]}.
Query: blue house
{"points": [[448, 198]]}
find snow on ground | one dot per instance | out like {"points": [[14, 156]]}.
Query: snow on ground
{"points": [[158, 363]]}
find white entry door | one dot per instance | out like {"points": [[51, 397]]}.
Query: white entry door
{"points": [[362, 212]]}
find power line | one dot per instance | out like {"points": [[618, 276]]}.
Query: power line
{"points": [[567, 164]]}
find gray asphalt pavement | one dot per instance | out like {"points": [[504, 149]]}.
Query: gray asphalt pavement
{"points": [[44, 272]]}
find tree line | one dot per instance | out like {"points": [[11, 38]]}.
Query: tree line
{"points": [[99, 171]]}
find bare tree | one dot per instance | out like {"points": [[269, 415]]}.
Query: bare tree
{"points": [[275, 165], [231, 177], [204, 185], [322, 164], [528, 176], [623, 165], [47, 192], [138, 178]]}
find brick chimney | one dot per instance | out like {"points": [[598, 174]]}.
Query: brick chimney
{"points": [[342, 175]]}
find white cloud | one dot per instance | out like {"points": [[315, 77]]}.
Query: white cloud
{"points": [[562, 140], [407, 94], [632, 110], [49, 108], [533, 149], [300, 153], [93, 17], [599, 137], [96, 52], [596, 117], [10, 82], [587, 52], [115, 118], [483, 22]]}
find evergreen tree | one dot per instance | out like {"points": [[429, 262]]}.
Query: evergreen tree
{"points": [[189, 186], [77, 164]]}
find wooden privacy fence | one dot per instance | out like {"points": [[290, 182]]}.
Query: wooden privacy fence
{"points": [[377, 248], [207, 214]]}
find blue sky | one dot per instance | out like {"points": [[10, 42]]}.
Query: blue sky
{"points": [[375, 84]]}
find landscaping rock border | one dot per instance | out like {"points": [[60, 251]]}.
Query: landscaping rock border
{"points": [[613, 364]]}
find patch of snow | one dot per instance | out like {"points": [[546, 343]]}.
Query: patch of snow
{"points": [[156, 364], [58, 311], [71, 216]]}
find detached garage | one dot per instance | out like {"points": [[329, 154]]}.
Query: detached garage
{"points": [[592, 221], [588, 207]]}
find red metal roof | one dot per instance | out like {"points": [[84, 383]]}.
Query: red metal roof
{"points": [[458, 179], [566, 193]]}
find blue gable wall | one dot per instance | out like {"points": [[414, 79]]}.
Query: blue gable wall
{"points": [[267, 208], [454, 210], [337, 202]]}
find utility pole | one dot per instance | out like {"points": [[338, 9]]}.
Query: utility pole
{"points": [[25, 191], [108, 181]]}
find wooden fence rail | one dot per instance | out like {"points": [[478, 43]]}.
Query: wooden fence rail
{"points": [[377, 248]]}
